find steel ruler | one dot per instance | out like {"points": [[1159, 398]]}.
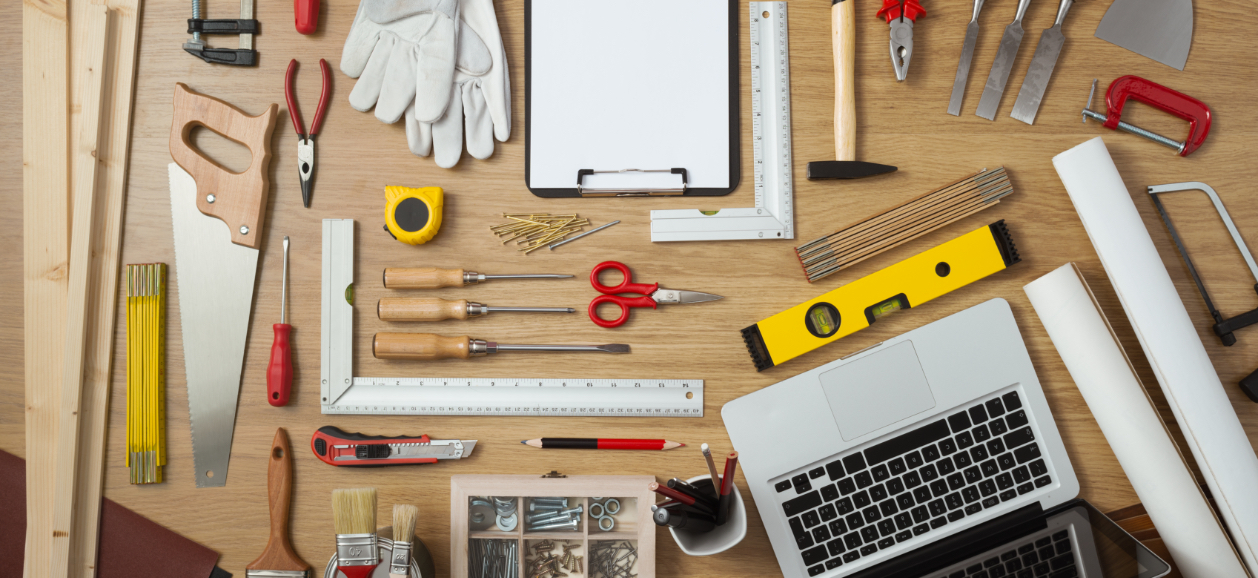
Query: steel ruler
{"points": [[342, 393], [773, 216]]}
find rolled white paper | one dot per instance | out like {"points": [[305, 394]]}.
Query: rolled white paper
{"points": [[1131, 425], [1213, 432]]}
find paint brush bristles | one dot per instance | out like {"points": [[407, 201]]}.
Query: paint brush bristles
{"points": [[354, 511], [404, 516]]}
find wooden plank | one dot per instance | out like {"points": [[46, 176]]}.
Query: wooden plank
{"points": [[45, 196], [91, 39]]}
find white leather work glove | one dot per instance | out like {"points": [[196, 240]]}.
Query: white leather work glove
{"points": [[479, 100], [402, 52]]}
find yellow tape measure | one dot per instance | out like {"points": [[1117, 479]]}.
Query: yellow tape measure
{"points": [[858, 304], [412, 215]]}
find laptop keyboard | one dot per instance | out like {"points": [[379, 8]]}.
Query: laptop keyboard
{"points": [[1049, 556], [913, 484]]}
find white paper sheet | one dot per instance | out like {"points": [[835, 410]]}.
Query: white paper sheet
{"points": [[618, 85], [1193, 390], [1133, 428]]}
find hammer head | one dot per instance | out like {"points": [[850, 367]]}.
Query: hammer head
{"points": [[846, 169]]}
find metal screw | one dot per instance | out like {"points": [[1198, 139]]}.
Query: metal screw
{"points": [[210, 198], [244, 230], [569, 525]]}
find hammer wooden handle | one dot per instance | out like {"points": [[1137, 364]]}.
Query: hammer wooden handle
{"points": [[420, 346], [404, 309], [843, 38], [422, 278]]}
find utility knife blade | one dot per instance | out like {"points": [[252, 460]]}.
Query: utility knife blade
{"points": [[337, 447]]}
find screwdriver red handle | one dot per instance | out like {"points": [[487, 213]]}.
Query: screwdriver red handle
{"points": [[279, 373], [306, 15]]}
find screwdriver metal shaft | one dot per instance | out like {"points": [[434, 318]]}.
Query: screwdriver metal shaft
{"points": [[434, 309], [435, 278], [429, 346]]}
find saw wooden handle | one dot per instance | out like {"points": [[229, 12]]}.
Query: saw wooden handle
{"points": [[420, 346], [422, 278], [239, 199], [279, 554], [843, 38], [404, 309]]}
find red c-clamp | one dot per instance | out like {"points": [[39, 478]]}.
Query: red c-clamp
{"points": [[1153, 94]]}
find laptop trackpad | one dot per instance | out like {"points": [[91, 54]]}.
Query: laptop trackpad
{"points": [[877, 390]]}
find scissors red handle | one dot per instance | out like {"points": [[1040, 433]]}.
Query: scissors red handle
{"points": [[626, 286], [623, 302]]}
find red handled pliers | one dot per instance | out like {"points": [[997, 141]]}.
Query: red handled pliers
{"points": [[901, 14], [305, 141]]}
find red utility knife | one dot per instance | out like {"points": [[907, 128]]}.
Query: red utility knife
{"points": [[340, 448]]}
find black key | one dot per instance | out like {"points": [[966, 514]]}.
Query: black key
{"points": [[827, 512], [903, 520], [990, 468], [954, 500], [811, 519], [947, 447], [905, 443], [1026, 549], [978, 452], [888, 508], [998, 427], [845, 506], [868, 549], [851, 556], [1014, 565], [930, 453], [835, 469], [870, 535], [958, 574], [833, 563], [1062, 535], [955, 515], [902, 536], [920, 514], [972, 475], [959, 422], [847, 486], [938, 488], [986, 487], [854, 463], [981, 434], [1040, 543], [964, 440], [938, 522], [815, 556], [880, 473], [945, 467], [1041, 569], [1044, 481], [974, 569], [895, 486], [797, 527], [1006, 461], [871, 514], [897, 467], [994, 407], [1024, 488], [886, 527], [861, 499], [1007, 556], [1067, 572], [801, 504], [970, 493], [905, 501], [962, 460], [830, 493], [1016, 419], [1011, 400], [912, 480], [920, 529], [1025, 574], [835, 546], [852, 541], [1038, 468], [992, 501], [1021, 475], [937, 507], [801, 483], [956, 481], [1007, 495], [816, 570], [996, 446], [1062, 546], [913, 459], [820, 534], [782, 486], [855, 520], [816, 473], [886, 542], [838, 528], [922, 494], [1046, 553], [1027, 453], [864, 480], [878, 493], [995, 572], [978, 414], [988, 563], [804, 541], [972, 509], [929, 473]]}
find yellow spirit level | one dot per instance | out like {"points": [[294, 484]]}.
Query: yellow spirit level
{"points": [[858, 304], [412, 215]]}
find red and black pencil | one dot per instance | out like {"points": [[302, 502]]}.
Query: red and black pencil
{"points": [[601, 444]]}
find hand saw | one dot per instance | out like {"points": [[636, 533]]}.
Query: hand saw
{"points": [[215, 267]]}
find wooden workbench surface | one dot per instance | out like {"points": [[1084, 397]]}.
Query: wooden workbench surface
{"points": [[902, 124]]}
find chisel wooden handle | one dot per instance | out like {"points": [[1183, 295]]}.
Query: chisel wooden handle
{"points": [[434, 309], [279, 554], [422, 278], [420, 346], [843, 38]]}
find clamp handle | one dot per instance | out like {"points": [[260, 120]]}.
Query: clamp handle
{"points": [[892, 9], [1162, 98]]}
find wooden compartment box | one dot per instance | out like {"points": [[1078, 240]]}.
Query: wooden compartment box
{"points": [[628, 549]]}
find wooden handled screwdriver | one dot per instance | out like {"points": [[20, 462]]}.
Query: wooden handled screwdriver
{"points": [[279, 559], [429, 346], [279, 372], [435, 278], [404, 309]]}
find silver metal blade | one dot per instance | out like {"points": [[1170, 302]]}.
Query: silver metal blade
{"points": [[999, 75], [675, 296], [609, 348], [440, 449], [963, 69], [1038, 75], [1158, 29], [215, 288]]}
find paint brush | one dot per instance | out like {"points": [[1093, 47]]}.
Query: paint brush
{"points": [[354, 516], [404, 516]]}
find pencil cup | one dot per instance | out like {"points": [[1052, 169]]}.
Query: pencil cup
{"points": [[722, 537]]}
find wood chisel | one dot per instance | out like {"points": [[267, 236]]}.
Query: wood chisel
{"points": [[999, 75], [435, 278], [963, 65], [1041, 69], [337, 447], [429, 346], [278, 559], [216, 267]]}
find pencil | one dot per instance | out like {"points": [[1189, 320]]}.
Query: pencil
{"points": [[680, 497], [601, 444], [727, 489], [716, 479]]}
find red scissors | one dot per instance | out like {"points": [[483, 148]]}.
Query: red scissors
{"points": [[651, 295]]}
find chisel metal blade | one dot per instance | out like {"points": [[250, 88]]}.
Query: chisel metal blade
{"points": [[963, 69], [999, 75], [1041, 69]]}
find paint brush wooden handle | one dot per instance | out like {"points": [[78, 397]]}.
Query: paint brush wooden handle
{"points": [[843, 37], [279, 554]]}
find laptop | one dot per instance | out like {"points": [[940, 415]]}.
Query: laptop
{"points": [[941, 431]]}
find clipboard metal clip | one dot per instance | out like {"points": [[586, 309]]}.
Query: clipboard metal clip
{"points": [[621, 192]]}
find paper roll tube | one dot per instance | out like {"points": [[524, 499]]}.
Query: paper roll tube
{"points": [[1193, 390], [1131, 425]]}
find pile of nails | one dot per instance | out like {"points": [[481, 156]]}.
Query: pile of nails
{"points": [[552, 515], [547, 564], [613, 559], [493, 559]]}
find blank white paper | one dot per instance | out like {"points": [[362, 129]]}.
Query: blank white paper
{"points": [[629, 85]]}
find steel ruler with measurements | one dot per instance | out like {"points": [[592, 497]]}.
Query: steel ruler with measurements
{"points": [[773, 216], [342, 393]]}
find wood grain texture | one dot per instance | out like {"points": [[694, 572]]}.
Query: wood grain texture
{"points": [[420, 309], [843, 37], [903, 124], [423, 277], [278, 553], [420, 346]]}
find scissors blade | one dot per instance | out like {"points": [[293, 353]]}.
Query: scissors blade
{"points": [[675, 296]]}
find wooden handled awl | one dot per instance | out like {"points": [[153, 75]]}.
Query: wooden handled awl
{"points": [[435, 278], [434, 309], [278, 558], [429, 346]]}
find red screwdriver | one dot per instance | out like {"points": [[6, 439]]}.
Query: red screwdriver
{"points": [[279, 373]]}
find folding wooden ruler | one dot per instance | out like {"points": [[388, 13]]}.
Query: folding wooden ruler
{"points": [[773, 216], [342, 393]]}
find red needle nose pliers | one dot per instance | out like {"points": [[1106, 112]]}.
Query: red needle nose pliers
{"points": [[305, 141]]}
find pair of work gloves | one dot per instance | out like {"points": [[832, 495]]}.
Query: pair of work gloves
{"points": [[439, 64]]}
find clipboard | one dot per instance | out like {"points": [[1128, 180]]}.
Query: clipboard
{"points": [[632, 98]]}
